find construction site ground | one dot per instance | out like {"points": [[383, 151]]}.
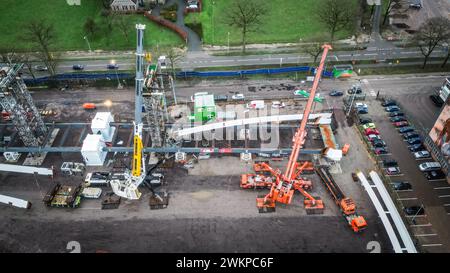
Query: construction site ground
{"points": [[207, 211]]}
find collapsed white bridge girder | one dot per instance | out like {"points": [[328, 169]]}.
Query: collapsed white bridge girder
{"points": [[323, 118], [25, 169]]}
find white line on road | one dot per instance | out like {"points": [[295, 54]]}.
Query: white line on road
{"points": [[444, 196], [446, 205], [404, 190], [425, 235], [437, 180], [416, 216], [422, 225], [432, 245], [370, 54], [347, 55], [405, 199], [442, 188]]}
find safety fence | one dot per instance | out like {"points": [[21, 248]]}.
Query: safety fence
{"points": [[183, 74]]}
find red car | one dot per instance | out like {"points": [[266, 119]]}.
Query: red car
{"points": [[401, 124], [370, 131]]}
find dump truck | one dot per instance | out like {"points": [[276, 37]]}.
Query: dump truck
{"points": [[345, 204]]}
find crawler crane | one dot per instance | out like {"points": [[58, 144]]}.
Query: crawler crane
{"points": [[282, 190]]}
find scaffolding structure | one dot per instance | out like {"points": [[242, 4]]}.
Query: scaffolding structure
{"points": [[157, 84], [17, 102]]}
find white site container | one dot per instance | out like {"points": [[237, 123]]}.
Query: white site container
{"points": [[16, 202], [100, 125], [92, 152]]}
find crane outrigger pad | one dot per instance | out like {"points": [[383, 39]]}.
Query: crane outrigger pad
{"points": [[317, 208], [159, 200]]}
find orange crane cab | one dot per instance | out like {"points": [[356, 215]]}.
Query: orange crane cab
{"points": [[345, 204]]}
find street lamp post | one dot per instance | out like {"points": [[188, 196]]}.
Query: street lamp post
{"points": [[228, 42], [87, 41], [212, 19]]}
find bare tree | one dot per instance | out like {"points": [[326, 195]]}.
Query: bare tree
{"points": [[9, 55], [90, 27], [28, 63], [392, 4], [433, 32], [174, 55], [42, 36], [247, 16], [447, 56], [336, 15], [313, 49], [122, 23]]}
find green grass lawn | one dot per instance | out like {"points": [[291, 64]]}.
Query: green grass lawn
{"points": [[68, 22], [287, 21]]}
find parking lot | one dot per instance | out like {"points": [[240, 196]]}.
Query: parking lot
{"points": [[431, 228]]}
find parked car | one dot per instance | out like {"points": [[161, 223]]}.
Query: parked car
{"points": [[410, 135], [406, 129], [416, 147], [392, 170], [238, 96], [387, 103], [413, 141], [415, 4], [336, 93], [414, 210], [396, 114], [369, 125], [393, 108], [77, 67], [112, 66], [401, 124], [397, 119], [278, 104], [430, 166], [361, 105], [378, 144], [370, 131], [401, 186], [421, 154], [365, 120], [355, 89], [220, 97], [373, 138], [436, 100], [390, 163], [380, 151], [40, 68], [361, 111], [433, 175]]}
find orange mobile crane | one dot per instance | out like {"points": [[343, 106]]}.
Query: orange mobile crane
{"points": [[282, 190]]}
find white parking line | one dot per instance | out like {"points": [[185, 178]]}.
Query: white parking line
{"points": [[425, 235], [437, 180], [432, 245], [422, 225], [404, 190], [441, 188], [395, 174], [406, 199], [444, 196], [416, 216]]}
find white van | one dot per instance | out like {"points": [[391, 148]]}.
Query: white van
{"points": [[256, 104], [430, 166]]}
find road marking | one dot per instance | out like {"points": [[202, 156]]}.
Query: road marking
{"points": [[370, 54], [432, 245], [409, 52], [406, 199], [442, 188], [416, 216], [346, 55], [336, 57], [422, 225], [395, 174], [425, 235], [437, 180], [404, 190], [444, 196], [446, 205]]}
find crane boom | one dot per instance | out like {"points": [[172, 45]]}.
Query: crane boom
{"points": [[300, 135]]}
